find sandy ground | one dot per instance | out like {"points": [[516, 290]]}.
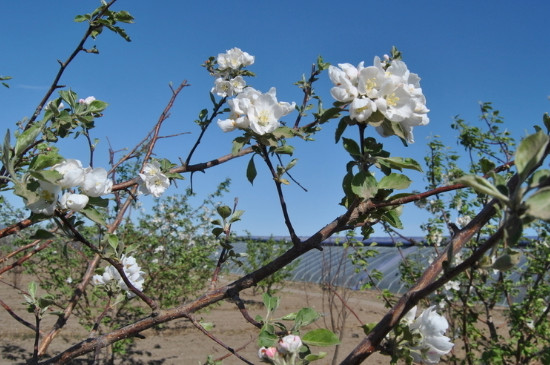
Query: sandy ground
{"points": [[181, 343]]}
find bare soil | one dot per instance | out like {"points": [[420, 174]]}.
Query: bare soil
{"points": [[181, 343]]}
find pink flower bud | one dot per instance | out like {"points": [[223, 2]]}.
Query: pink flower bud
{"points": [[290, 344]]}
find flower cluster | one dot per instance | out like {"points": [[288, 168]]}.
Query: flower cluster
{"points": [[255, 111], [250, 109], [92, 182], [132, 271], [432, 343], [386, 87], [152, 180], [284, 354], [228, 80]]}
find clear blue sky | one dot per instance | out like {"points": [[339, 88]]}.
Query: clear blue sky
{"points": [[464, 51]]}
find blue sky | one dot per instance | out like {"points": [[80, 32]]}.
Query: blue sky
{"points": [[465, 52]]}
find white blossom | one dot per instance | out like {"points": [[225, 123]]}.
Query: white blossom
{"points": [[132, 271], [289, 344], [255, 111], [72, 171], [44, 199], [87, 101], [234, 59], [75, 202], [433, 343], [152, 180], [392, 90], [96, 182], [463, 220], [226, 88]]}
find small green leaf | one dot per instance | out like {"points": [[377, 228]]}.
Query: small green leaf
{"points": [[267, 337], [367, 327], [238, 144], [398, 163], [97, 106], [208, 326], [271, 303], [82, 18], [32, 289], [538, 204], [364, 185], [251, 172], [352, 147], [342, 125], [507, 261], [45, 160], [113, 241], [284, 150], [305, 316], [27, 138], [50, 176], [92, 214], [98, 202], [224, 211], [313, 357], [236, 216], [42, 234], [530, 152], [320, 337], [482, 185], [394, 181], [328, 114], [392, 217], [217, 231]]}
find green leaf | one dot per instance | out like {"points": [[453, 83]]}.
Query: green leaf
{"points": [[27, 138], [82, 18], [283, 132], [320, 337], [267, 337], [92, 214], [50, 176], [330, 114], [364, 185], [352, 147], [530, 152], [271, 303], [392, 217], [342, 125], [6, 148], [507, 261], [45, 160], [224, 211], [32, 289], [394, 181], [539, 178], [399, 163], [313, 357], [482, 185], [238, 144], [98, 202], [97, 106], [304, 317], [113, 241], [538, 204], [42, 234], [70, 97], [236, 216], [284, 150], [217, 231], [251, 172]]}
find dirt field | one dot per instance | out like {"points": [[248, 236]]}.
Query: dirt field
{"points": [[181, 343]]}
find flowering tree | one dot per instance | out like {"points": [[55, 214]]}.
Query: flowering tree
{"points": [[61, 195]]}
